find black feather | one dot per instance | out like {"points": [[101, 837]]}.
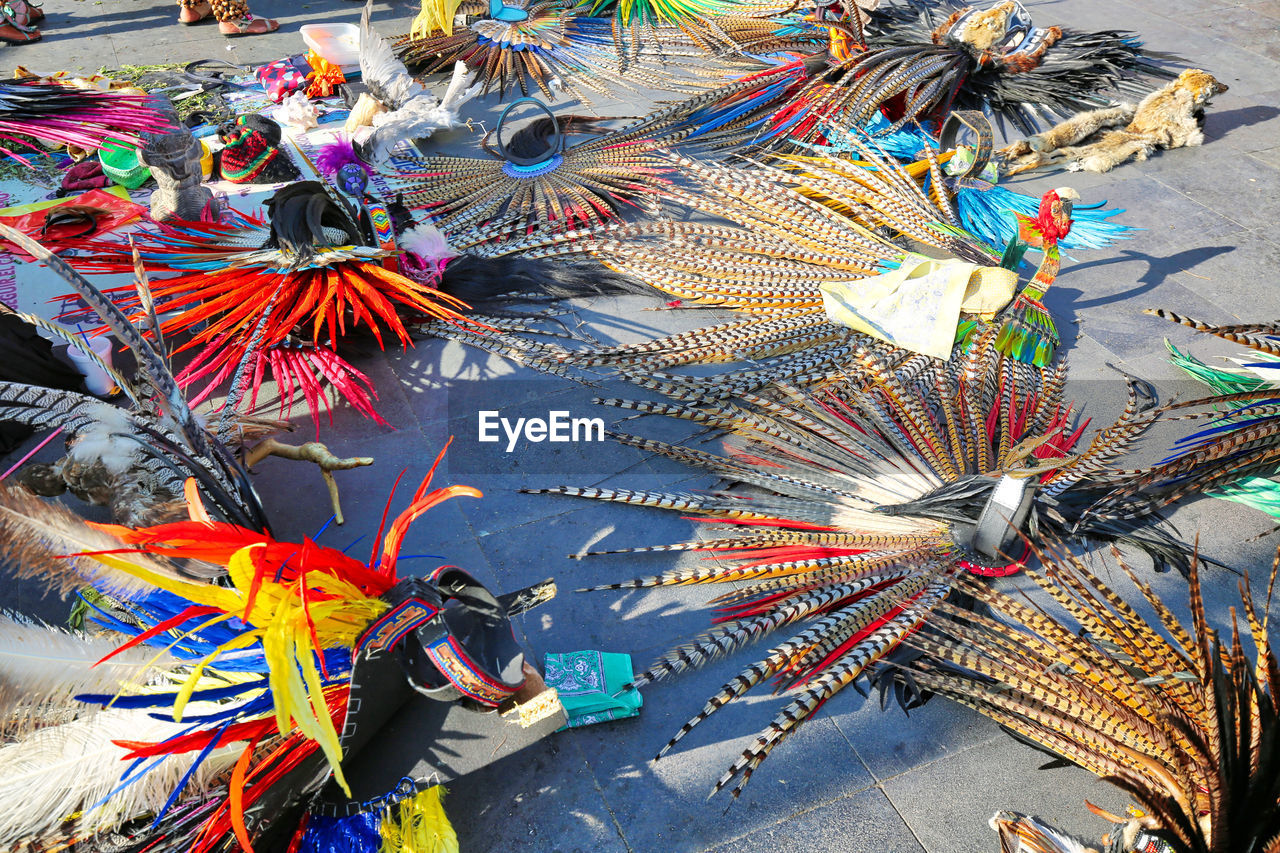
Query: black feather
{"points": [[482, 282], [300, 213]]}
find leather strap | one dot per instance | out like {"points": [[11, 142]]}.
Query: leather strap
{"points": [[981, 127]]}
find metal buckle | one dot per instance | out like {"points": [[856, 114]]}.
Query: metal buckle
{"points": [[1003, 515]]}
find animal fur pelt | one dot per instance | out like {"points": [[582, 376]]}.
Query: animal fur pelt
{"points": [[1094, 141]]}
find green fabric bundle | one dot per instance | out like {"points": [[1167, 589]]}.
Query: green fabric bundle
{"points": [[587, 683]]}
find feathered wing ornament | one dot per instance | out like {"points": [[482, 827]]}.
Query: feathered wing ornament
{"points": [[43, 668], [61, 763], [697, 19], [60, 782], [1176, 715], [412, 112], [982, 205], [1258, 369], [41, 539], [1016, 70], [1020, 833]]}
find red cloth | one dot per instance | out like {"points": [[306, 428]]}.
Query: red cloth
{"points": [[109, 211]]}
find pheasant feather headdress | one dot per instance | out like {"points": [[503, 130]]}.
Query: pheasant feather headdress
{"points": [[860, 503], [829, 221], [1177, 716], [548, 47]]}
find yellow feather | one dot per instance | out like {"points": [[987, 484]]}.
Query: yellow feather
{"points": [[418, 824], [435, 16], [197, 672], [199, 593]]}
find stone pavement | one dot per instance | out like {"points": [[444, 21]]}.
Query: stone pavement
{"points": [[856, 778]]}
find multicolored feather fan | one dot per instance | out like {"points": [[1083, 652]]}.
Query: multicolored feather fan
{"points": [[216, 709], [857, 505]]}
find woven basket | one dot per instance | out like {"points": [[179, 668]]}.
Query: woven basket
{"points": [[120, 164]]}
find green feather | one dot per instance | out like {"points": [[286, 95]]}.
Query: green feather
{"points": [[1256, 492], [1222, 380]]}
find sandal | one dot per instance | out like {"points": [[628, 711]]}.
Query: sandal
{"points": [[11, 32], [245, 26], [15, 23]]}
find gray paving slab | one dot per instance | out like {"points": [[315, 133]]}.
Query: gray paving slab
{"points": [[891, 741], [947, 803], [865, 819], [545, 799], [1268, 156], [664, 804]]}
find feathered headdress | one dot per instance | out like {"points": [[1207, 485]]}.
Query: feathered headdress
{"points": [[869, 496], [1175, 715], [254, 674], [276, 298]]}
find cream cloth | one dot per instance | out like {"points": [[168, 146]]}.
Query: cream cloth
{"points": [[918, 305]]}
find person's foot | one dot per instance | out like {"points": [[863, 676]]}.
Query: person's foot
{"points": [[194, 14], [248, 26]]}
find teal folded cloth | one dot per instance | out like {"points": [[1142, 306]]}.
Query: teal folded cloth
{"points": [[587, 682]]}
